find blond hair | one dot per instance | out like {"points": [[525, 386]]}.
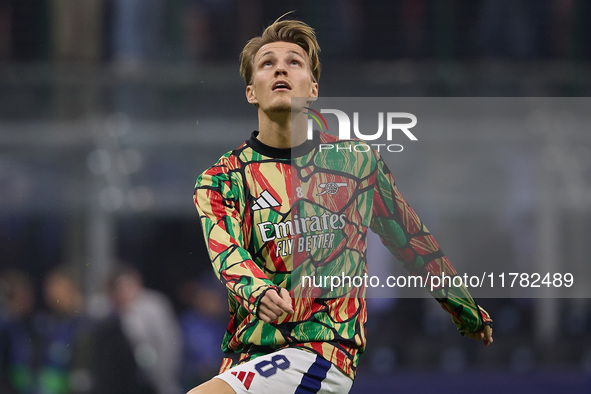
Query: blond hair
{"points": [[293, 31]]}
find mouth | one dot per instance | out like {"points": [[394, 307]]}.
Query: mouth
{"points": [[280, 86]]}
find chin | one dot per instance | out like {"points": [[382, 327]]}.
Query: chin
{"points": [[280, 107]]}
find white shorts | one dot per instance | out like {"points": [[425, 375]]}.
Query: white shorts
{"points": [[287, 371]]}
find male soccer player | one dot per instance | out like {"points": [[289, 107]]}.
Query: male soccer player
{"points": [[278, 207]]}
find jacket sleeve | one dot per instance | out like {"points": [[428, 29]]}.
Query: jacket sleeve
{"points": [[221, 212], [408, 239]]}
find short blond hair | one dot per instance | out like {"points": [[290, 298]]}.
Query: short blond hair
{"points": [[293, 31]]}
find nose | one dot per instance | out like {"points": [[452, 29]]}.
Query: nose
{"points": [[281, 70]]}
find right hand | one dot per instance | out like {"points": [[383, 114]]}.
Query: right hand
{"points": [[274, 304]]}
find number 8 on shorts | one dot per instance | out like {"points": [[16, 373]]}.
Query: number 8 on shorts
{"points": [[269, 367]]}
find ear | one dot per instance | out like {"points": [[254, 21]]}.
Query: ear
{"points": [[314, 92], [250, 95]]}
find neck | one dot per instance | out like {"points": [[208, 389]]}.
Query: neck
{"points": [[275, 130]]}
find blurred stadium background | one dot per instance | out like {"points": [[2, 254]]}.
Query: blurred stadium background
{"points": [[109, 109]]}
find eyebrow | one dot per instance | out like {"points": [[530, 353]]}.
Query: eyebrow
{"points": [[290, 51]]}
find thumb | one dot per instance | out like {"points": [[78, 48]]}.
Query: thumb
{"points": [[286, 298]]}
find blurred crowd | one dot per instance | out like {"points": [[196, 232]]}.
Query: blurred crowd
{"points": [[128, 32], [129, 339]]}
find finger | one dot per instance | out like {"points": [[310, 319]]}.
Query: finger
{"points": [[267, 319], [286, 304], [276, 303], [281, 301], [266, 315], [474, 335], [269, 306], [488, 339]]}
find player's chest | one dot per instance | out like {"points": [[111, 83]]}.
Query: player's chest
{"points": [[279, 189]]}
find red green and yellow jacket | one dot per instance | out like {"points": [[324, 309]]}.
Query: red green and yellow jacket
{"points": [[272, 217]]}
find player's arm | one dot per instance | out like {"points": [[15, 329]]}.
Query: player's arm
{"points": [[220, 211], [408, 239]]}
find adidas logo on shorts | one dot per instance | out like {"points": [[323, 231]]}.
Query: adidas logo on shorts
{"points": [[245, 378]]}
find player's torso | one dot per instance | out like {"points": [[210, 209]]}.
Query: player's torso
{"points": [[314, 208]]}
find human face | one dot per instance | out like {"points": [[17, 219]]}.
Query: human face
{"points": [[281, 71], [61, 294]]}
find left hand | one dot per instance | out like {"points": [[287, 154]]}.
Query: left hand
{"points": [[484, 335]]}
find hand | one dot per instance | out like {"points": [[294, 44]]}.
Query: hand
{"points": [[274, 304], [484, 335]]}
